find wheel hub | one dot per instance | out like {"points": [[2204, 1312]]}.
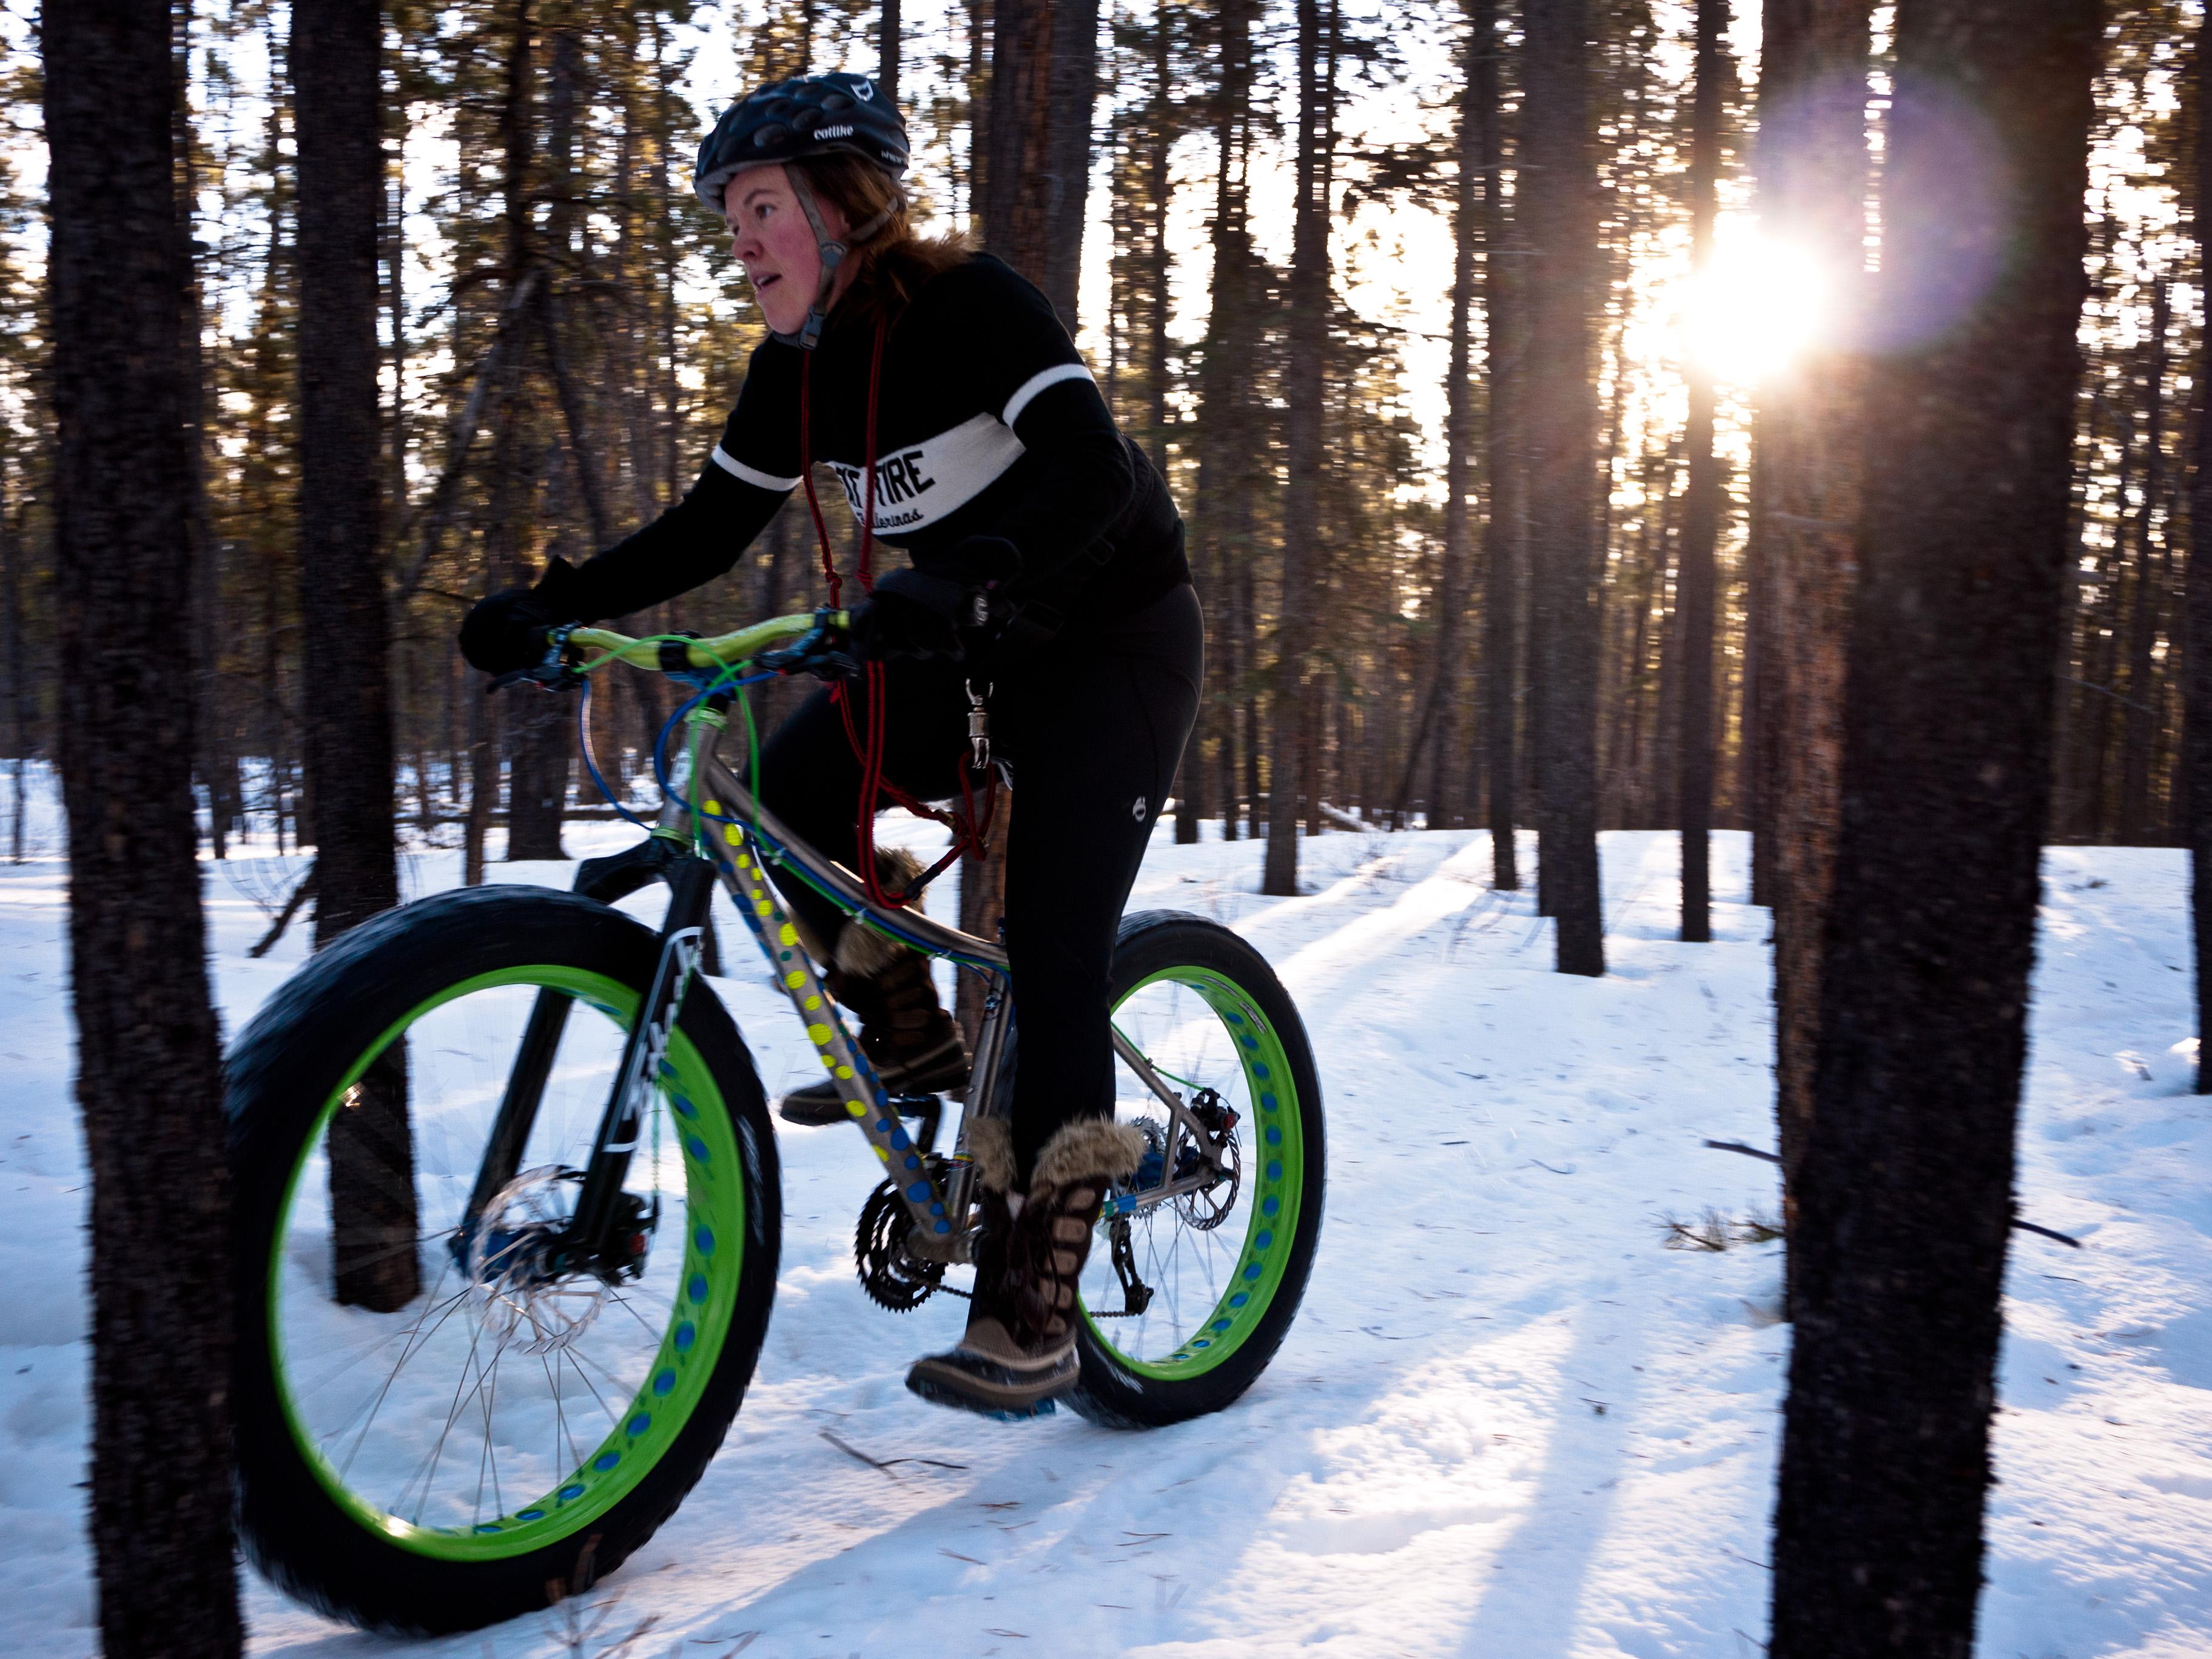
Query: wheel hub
{"points": [[526, 1293]]}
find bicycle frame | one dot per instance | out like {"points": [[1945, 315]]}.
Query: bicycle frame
{"points": [[744, 841]]}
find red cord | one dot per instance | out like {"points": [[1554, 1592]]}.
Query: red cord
{"points": [[969, 831]]}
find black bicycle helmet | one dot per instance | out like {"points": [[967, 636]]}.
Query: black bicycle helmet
{"points": [[787, 120], [813, 115]]}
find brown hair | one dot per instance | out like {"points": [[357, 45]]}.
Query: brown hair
{"points": [[893, 263]]}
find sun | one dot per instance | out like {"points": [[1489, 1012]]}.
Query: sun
{"points": [[1759, 305]]}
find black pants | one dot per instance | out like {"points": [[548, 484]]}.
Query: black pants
{"points": [[1092, 729]]}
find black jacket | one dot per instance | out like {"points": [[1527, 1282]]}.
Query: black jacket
{"points": [[987, 424]]}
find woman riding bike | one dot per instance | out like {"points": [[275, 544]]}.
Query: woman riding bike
{"points": [[1047, 573]]}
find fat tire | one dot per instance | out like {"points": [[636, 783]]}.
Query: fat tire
{"points": [[282, 1070], [1109, 1394]]}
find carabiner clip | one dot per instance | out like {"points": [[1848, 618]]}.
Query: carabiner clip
{"points": [[979, 728]]}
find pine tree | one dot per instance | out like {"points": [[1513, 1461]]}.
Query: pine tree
{"points": [[1558, 404], [1812, 166], [1905, 1190], [149, 1067], [1701, 522]]}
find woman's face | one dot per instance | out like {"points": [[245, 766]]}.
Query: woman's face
{"points": [[770, 237]]}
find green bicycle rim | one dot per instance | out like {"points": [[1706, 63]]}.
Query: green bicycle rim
{"points": [[1276, 1179], [714, 1256]]}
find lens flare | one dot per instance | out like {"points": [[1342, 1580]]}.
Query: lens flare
{"points": [[1753, 310]]}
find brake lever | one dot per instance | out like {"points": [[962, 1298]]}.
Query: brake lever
{"points": [[554, 673], [817, 653]]}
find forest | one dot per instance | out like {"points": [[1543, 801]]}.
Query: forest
{"points": [[561, 334], [1587, 417]]}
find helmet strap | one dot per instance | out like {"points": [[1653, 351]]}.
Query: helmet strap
{"points": [[833, 253]]}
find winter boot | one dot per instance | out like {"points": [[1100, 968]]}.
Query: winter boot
{"points": [[905, 1032], [1018, 1354]]}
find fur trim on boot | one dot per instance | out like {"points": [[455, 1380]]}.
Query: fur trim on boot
{"points": [[1018, 1354], [860, 949], [1089, 1148], [991, 1145]]}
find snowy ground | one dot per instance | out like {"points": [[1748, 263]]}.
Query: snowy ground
{"points": [[1509, 1421]]}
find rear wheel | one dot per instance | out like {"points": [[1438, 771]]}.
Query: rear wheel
{"points": [[1186, 1300], [518, 1422]]}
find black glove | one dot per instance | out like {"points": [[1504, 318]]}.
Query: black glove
{"points": [[507, 630], [920, 613]]}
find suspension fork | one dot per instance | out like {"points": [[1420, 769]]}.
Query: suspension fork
{"points": [[667, 857]]}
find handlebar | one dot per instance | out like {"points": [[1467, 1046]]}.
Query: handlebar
{"points": [[719, 652]]}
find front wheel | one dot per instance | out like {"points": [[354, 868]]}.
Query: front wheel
{"points": [[439, 1413], [1187, 1299]]}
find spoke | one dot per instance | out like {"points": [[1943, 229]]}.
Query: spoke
{"points": [[453, 1413], [414, 1347], [624, 1303], [488, 1460], [574, 1359]]}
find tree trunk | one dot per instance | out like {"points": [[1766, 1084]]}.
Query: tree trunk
{"points": [[149, 1066], [1559, 414], [1303, 394], [2145, 610], [888, 43], [1812, 163], [1222, 503], [483, 779], [1444, 811], [1693, 588], [1044, 60], [12, 546], [337, 79], [1905, 1191], [2196, 791], [217, 767], [1501, 535]]}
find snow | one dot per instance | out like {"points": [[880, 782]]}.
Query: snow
{"points": [[1508, 1421]]}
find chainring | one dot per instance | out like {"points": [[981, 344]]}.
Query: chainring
{"points": [[892, 1278]]}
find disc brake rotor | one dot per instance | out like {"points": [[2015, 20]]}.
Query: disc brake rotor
{"points": [[519, 1302]]}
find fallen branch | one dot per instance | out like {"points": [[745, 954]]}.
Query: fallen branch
{"points": [[2023, 1226], [1344, 820], [1738, 1146], [284, 917]]}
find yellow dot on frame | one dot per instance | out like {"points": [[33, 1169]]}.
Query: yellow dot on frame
{"points": [[713, 806], [794, 979], [813, 1003], [788, 936], [732, 835], [844, 1073], [817, 1034], [884, 1153], [763, 908], [856, 1108], [744, 862]]}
